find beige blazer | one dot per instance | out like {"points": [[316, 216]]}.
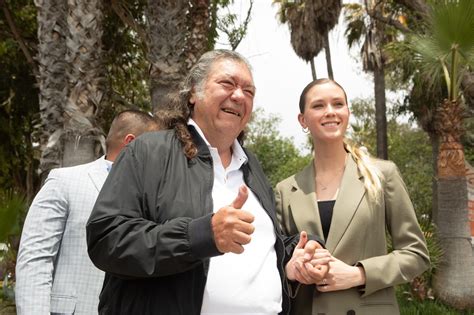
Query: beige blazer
{"points": [[358, 237]]}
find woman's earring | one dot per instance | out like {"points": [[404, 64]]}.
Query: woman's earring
{"points": [[305, 130]]}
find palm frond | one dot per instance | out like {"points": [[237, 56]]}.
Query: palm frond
{"points": [[354, 16], [452, 22], [447, 47]]}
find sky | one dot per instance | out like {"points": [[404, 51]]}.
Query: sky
{"points": [[280, 75]]}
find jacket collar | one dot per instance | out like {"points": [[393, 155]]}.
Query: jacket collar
{"points": [[351, 192], [203, 150], [305, 209], [303, 202], [98, 172]]}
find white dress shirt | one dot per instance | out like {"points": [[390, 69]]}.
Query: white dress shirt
{"points": [[247, 283]]}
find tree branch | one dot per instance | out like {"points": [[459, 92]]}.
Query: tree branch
{"points": [[129, 21], [18, 38], [378, 16], [244, 26]]}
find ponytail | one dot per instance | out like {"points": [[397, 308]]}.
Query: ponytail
{"points": [[372, 175], [174, 119]]}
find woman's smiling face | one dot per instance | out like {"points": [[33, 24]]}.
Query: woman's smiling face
{"points": [[326, 113]]}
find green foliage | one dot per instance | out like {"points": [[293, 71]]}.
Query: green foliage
{"points": [[434, 248], [446, 49], [409, 148], [468, 140], [18, 99], [409, 306], [285, 7], [354, 16], [12, 208], [126, 69], [414, 307], [230, 26], [126, 64], [278, 155]]}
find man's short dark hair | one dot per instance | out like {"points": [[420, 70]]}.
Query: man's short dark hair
{"points": [[129, 121]]}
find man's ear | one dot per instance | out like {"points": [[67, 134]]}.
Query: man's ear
{"points": [[192, 98], [128, 138]]}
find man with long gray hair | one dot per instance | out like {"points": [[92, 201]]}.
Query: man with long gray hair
{"points": [[185, 223]]}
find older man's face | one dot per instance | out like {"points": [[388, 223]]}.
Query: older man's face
{"points": [[224, 106]]}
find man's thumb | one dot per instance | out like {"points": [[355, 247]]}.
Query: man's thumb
{"points": [[241, 197], [303, 240]]}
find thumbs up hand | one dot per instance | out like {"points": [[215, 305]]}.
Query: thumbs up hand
{"points": [[232, 226]]}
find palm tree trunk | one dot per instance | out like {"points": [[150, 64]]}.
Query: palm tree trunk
{"points": [[380, 111], [313, 69], [327, 50], [199, 26], [82, 137], [53, 87], [167, 30], [455, 276]]}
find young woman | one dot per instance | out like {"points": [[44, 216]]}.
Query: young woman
{"points": [[354, 201]]}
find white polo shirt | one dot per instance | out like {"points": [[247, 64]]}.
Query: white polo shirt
{"points": [[247, 283]]}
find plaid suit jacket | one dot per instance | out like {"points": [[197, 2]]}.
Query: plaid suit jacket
{"points": [[54, 273]]}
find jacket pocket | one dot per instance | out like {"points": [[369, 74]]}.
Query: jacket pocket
{"points": [[63, 304]]}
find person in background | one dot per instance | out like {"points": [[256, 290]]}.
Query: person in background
{"points": [[185, 223], [352, 200], [54, 274]]}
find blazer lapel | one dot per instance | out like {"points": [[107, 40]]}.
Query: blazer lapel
{"points": [[98, 173], [349, 197], [304, 208]]}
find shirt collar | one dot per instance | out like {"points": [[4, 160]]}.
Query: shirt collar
{"points": [[238, 152], [107, 164]]}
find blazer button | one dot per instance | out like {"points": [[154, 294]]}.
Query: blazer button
{"points": [[351, 312]]}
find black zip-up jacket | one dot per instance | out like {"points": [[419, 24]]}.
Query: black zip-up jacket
{"points": [[150, 229]]}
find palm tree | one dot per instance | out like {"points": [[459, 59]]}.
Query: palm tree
{"points": [[310, 22], [198, 29], [420, 10], [52, 80], [82, 138], [71, 81], [167, 26], [446, 52], [178, 35], [360, 25]]}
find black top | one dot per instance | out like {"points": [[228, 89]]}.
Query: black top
{"points": [[325, 213]]}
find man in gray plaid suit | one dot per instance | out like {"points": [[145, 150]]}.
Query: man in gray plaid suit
{"points": [[54, 274]]}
